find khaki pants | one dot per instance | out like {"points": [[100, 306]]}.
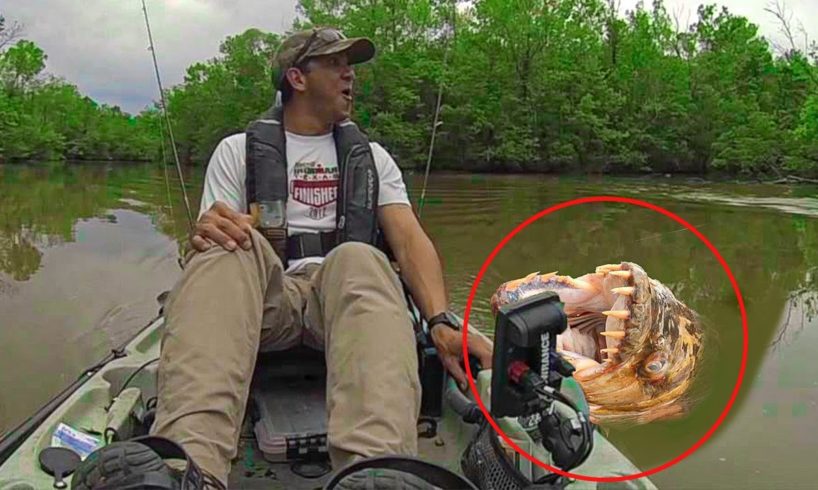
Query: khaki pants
{"points": [[229, 305]]}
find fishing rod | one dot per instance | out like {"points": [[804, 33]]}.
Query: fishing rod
{"points": [[436, 121], [165, 167], [167, 118]]}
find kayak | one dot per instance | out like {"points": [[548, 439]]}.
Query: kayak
{"points": [[283, 442]]}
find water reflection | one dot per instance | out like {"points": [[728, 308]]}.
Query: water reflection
{"points": [[19, 257], [41, 205], [801, 311], [84, 250]]}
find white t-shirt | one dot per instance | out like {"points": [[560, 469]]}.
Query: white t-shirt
{"points": [[312, 176]]}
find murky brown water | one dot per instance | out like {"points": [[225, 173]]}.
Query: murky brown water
{"points": [[85, 250]]}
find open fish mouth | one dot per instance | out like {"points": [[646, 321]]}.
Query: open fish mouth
{"points": [[635, 347]]}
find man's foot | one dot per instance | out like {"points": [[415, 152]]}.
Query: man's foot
{"points": [[396, 473], [382, 479], [140, 464]]}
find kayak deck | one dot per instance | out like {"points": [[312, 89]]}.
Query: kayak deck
{"points": [[101, 407]]}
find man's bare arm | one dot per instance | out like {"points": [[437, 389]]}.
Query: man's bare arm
{"points": [[422, 271], [416, 255]]}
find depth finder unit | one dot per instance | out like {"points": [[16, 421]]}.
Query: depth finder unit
{"points": [[525, 334], [525, 385]]}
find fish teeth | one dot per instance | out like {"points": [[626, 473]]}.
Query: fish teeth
{"points": [[620, 314], [622, 274], [626, 291], [608, 268], [614, 335]]}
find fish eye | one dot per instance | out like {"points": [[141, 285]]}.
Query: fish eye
{"points": [[656, 364]]}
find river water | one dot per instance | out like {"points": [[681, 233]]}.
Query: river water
{"points": [[85, 250]]}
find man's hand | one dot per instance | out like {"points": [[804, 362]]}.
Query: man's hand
{"points": [[222, 226], [449, 344]]}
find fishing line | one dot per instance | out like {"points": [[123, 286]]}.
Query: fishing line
{"points": [[167, 117], [659, 235], [435, 123]]}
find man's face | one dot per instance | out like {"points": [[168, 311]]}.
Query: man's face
{"points": [[328, 86]]}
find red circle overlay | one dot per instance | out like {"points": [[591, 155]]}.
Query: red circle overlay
{"points": [[682, 222]]}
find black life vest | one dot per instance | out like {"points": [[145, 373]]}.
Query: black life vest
{"points": [[267, 188]]}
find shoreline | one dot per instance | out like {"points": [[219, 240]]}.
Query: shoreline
{"points": [[691, 177]]}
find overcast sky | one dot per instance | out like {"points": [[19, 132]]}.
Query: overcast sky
{"points": [[101, 45]]}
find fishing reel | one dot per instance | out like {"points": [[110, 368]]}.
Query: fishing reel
{"points": [[526, 400]]}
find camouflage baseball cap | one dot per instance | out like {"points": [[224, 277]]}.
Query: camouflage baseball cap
{"points": [[319, 41]]}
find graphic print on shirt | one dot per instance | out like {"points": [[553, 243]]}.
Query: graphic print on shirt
{"points": [[314, 185]]}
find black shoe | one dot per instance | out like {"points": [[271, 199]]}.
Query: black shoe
{"points": [[381, 479], [397, 473], [139, 464]]}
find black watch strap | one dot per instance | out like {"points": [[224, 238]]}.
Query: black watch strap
{"points": [[447, 318]]}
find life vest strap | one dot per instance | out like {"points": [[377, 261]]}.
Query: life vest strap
{"points": [[310, 245]]}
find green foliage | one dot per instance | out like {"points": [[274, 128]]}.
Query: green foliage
{"points": [[21, 64], [535, 85], [221, 96], [528, 85], [43, 118], [808, 128], [751, 145]]}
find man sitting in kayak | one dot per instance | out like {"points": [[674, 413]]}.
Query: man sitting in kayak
{"points": [[256, 281]]}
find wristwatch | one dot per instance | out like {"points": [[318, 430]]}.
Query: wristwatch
{"points": [[446, 318]]}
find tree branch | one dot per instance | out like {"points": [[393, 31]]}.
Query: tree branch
{"points": [[9, 34], [779, 11], [785, 19]]}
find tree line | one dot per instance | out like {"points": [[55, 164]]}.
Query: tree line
{"points": [[524, 86], [43, 117]]}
